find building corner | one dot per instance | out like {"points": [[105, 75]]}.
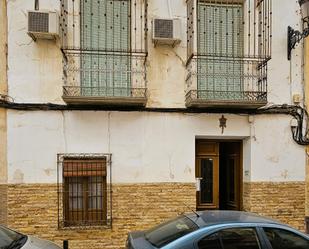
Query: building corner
{"points": [[3, 113]]}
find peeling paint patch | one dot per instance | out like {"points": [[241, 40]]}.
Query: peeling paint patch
{"points": [[274, 159], [18, 176], [49, 172], [188, 170], [285, 174]]}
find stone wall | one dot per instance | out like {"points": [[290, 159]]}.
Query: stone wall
{"points": [[3, 204], [282, 201], [33, 210]]}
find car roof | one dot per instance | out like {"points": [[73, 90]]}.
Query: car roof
{"points": [[207, 218]]}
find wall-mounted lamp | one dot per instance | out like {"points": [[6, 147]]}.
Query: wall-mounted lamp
{"points": [[295, 36]]}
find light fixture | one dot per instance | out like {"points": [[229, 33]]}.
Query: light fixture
{"points": [[295, 36]]}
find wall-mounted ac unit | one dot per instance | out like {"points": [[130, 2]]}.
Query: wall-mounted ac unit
{"points": [[43, 25], [166, 31]]}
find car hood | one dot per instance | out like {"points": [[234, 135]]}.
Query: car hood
{"points": [[36, 243]]}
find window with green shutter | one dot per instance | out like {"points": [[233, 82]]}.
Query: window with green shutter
{"points": [[220, 50], [105, 38]]}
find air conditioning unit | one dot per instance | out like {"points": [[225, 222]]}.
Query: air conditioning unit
{"points": [[43, 25], [166, 31]]}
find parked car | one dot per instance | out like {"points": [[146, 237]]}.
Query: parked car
{"points": [[219, 230], [10, 239]]}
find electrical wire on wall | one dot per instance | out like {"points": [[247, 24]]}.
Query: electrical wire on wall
{"points": [[299, 128]]}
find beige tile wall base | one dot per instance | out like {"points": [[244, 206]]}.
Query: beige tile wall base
{"points": [[33, 210], [284, 201], [3, 203]]}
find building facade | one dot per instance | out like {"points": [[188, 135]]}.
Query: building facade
{"points": [[106, 127]]}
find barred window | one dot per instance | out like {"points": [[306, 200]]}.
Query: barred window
{"points": [[105, 26], [84, 191], [104, 46], [229, 45]]}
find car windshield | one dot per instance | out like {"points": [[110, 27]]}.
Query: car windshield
{"points": [[8, 237], [169, 231]]}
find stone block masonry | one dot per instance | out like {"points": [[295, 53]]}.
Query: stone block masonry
{"points": [[32, 209], [284, 201], [3, 203]]}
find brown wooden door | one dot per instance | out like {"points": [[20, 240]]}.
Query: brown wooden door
{"points": [[218, 166], [207, 170], [231, 166]]}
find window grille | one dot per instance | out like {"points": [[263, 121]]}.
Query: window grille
{"points": [[228, 55], [105, 48], [84, 192]]}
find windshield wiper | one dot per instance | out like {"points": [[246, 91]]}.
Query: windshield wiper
{"points": [[18, 243]]}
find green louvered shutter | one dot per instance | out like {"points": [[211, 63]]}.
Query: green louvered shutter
{"points": [[220, 44], [105, 35]]}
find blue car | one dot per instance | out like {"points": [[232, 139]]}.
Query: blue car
{"points": [[219, 230]]}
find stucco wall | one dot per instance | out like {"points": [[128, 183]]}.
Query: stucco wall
{"points": [[35, 68], [147, 147]]}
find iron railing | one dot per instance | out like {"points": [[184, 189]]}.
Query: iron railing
{"points": [[84, 190], [230, 80], [102, 74], [76, 91], [104, 45], [228, 48]]}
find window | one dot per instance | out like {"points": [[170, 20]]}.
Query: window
{"points": [[104, 46], [220, 36], [105, 26], [234, 238], [171, 230], [228, 47], [210, 242], [83, 194], [282, 239], [240, 238]]}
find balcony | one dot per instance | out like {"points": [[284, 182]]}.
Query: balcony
{"points": [[226, 83], [228, 48], [104, 47], [104, 79]]}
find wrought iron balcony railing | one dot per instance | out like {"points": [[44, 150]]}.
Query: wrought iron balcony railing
{"points": [[109, 95], [104, 79], [228, 46], [104, 45], [226, 83]]}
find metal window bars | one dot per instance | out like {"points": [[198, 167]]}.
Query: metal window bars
{"points": [[104, 45], [228, 47], [84, 190]]}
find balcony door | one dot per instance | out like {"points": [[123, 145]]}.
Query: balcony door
{"points": [[220, 50], [218, 169], [105, 37]]}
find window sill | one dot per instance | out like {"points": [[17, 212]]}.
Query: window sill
{"points": [[85, 227], [103, 227]]}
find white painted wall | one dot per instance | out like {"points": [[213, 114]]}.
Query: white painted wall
{"points": [[35, 68], [146, 147]]}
